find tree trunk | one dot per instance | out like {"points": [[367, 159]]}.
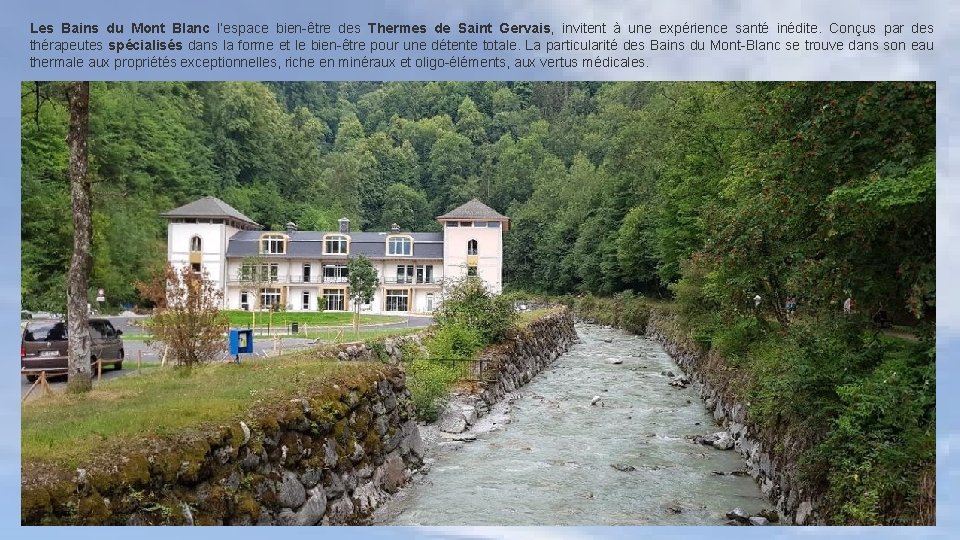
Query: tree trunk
{"points": [[78, 280], [356, 318]]}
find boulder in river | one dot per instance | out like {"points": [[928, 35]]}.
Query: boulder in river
{"points": [[623, 467], [739, 515], [722, 441], [674, 507], [703, 439], [614, 361], [452, 422], [758, 520]]}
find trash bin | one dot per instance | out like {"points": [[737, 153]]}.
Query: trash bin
{"points": [[294, 328]]}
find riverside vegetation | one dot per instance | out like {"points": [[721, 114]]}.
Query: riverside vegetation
{"points": [[860, 403]]}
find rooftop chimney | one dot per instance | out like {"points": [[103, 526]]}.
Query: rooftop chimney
{"points": [[291, 226], [395, 228], [344, 225]]}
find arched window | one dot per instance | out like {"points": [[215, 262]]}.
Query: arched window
{"points": [[196, 244], [472, 247]]}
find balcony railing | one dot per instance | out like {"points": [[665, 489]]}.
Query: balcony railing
{"points": [[297, 280], [397, 280], [286, 279]]}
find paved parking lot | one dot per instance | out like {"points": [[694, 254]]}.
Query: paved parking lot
{"points": [[134, 348]]}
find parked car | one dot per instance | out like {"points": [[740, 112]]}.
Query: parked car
{"points": [[43, 347]]}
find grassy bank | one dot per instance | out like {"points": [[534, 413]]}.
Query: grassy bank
{"points": [[430, 380], [857, 406], [70, 429]]}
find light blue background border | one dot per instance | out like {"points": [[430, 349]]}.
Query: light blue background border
{"points": [[940, 66]]}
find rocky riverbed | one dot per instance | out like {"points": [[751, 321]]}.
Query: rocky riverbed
{"points": [[600, 437]]}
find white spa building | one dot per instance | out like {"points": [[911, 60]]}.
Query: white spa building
{"points": [[307, 270]]}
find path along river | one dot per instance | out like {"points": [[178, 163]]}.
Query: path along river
{"points": [[548, 459]]}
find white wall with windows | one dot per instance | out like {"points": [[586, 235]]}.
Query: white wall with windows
{"points": [[211, 238], [322, 285], [472, 247]]}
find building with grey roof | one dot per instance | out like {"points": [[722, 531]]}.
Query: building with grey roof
{"points": [[307, 270]]}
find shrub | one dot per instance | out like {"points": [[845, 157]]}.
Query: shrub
{"points": [[735, 340], [880, 445], [187, 319], [468, 303], [634, 316], [428, 381], [454, 341]]}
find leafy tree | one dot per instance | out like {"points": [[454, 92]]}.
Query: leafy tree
{"points": [[187, 319], [470, 122], [406, 207], [363, 284]]}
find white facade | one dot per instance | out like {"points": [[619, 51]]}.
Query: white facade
{"points": [[182, 239], [419, 280], [474, 244], [301, 275]]}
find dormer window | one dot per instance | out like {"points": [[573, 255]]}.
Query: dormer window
{"points": [[273, 244], [472, 247], [335, 245], [196, 244], [400, 246]]}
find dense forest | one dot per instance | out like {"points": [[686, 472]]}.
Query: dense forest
{"points": [[818, 190]]}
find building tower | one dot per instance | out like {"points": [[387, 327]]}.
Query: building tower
{"points": [[198, 234], [473, 243]]}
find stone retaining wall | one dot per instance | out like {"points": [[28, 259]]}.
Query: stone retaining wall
{"points": [[510, 365], [329, 458]]}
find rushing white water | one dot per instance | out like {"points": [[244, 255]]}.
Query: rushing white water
{"points": [[551, 464]]}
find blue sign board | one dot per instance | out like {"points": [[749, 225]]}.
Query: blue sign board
{"points": [[241, 341]]}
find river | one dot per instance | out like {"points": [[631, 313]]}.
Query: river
{"points": [[548, 460]]}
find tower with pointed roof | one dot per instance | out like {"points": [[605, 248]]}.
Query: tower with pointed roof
{"points": [[473, 243], [198, 234]]}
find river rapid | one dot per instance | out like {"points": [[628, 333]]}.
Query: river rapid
{"points": [[547, 456]]}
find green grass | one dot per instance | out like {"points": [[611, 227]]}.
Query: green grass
{"points": [[312, 318], [68, 429], [526, 317], [324, 334]]}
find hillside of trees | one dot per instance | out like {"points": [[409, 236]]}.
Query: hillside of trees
{"points": [[818, 190]]}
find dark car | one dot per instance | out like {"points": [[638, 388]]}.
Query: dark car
{"points": [[44, 347]]}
